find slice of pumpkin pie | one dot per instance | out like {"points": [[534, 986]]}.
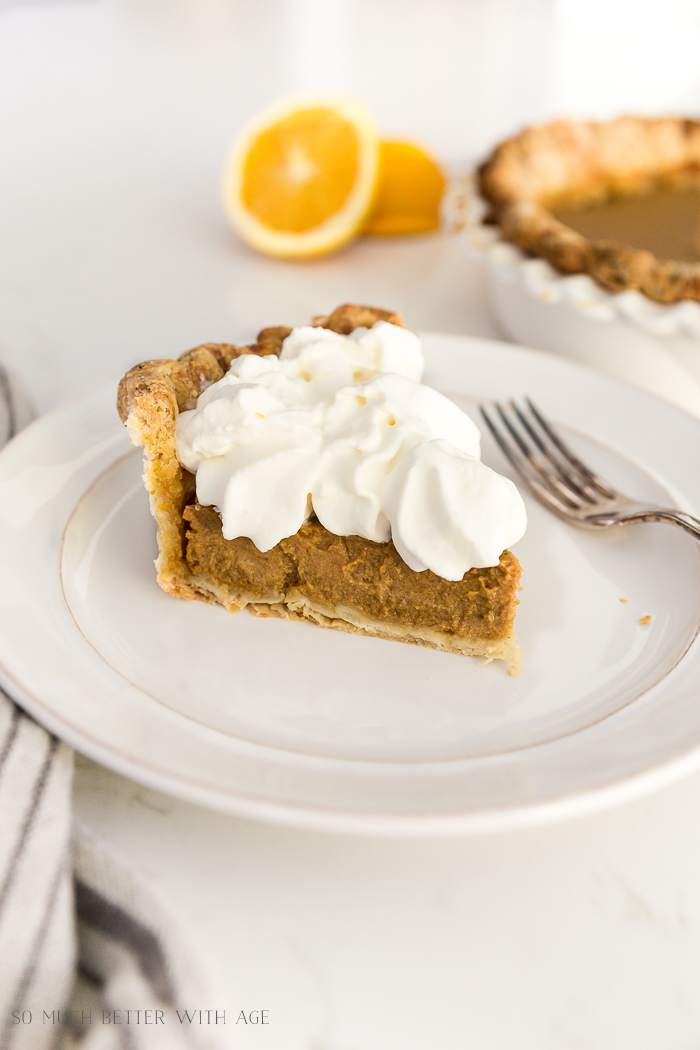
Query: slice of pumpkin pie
{"points": [[313, 476]]}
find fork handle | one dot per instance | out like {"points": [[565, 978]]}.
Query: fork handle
{"points": [[672, 517], [676, 517]]}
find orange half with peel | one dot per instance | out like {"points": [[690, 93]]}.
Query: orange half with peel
{"points": [[409, 191], [300, 178]]}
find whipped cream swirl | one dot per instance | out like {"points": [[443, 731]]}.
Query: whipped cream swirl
{"points": [[341, 426]]}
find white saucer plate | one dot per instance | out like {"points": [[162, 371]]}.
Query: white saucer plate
{"points": [[315, 728]]}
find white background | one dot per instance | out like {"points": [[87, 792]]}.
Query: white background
{"points": [[115, 116]]}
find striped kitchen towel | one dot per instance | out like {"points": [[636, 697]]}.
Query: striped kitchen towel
{"points": [[88, 959]]}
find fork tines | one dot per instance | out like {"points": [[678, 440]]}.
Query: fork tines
{"points": [[544, 461]]}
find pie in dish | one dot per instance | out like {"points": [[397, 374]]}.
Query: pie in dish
{"points": [[370, 572], [619, 201]]}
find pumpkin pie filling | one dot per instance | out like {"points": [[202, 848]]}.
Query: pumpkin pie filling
{"points": [[324, 571], [665, 222]]}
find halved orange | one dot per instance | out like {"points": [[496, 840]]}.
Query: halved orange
{"points": [[408, 193], [301, 176]]}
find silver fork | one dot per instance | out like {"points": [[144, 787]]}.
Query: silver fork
{"points": [[561, 481], [8, 409]]}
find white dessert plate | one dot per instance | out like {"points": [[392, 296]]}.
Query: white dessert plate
{"points": [[317, 728]]}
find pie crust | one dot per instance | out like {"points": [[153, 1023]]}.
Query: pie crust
{"points": [[344, 582], [577, 163]]}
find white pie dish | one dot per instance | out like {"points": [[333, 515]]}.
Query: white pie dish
{"points": [[624, 334]]}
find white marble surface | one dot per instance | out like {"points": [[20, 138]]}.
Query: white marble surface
{"points": [[114, 118], [580, 935]]}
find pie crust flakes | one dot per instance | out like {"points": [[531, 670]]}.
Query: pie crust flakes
{"points": [[345, 582], [572, 163]]}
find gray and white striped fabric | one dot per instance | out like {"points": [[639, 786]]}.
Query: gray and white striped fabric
{"points": [[37, 932], [82, 944]]}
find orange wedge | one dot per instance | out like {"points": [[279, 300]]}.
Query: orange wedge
{"points": [[301, 176], [408, 193]]}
